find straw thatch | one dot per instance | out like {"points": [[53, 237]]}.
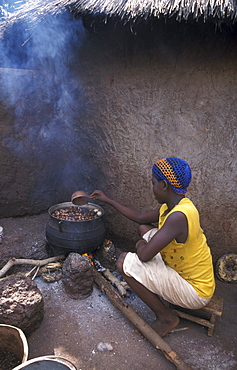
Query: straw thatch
{"points": [[128, 10], [181, 9]]}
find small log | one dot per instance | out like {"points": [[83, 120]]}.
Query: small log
{"points": [[120, 285], [140, 324], [21, 261]]}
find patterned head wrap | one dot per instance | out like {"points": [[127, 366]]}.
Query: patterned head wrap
{"points": [[175, 171]]}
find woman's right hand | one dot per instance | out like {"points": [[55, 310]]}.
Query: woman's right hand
{"points": [[99, 195], [136, 216]]}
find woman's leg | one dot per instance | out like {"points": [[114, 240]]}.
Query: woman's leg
{"points": [[165, 319]]}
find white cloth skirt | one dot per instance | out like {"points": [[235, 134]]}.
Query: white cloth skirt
{"points": [[162, 280]]}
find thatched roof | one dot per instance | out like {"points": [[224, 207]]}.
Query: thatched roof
{"points": [[181, 9], [128, 10]]}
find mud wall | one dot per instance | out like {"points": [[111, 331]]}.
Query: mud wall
{"points": [[140, 94]]}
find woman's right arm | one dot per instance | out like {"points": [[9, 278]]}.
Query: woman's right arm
{"points": [[139, 217]]}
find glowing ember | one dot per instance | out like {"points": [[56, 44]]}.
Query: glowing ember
{"points": [[90, 257]]}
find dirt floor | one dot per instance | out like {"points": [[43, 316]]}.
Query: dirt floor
{"points": [[94, 335]]}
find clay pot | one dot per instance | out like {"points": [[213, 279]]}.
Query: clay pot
{"points": [[80, 198]]}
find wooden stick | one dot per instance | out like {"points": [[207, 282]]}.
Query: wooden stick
{"points": [[36, 272], [30, 272], [122, 288], [198, 320], [141, 324], [21, 261]]}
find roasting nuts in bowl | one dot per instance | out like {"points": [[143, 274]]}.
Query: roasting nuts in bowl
{"points": [[80, 198]]}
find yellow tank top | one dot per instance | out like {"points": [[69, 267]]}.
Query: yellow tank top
{"points": [[192, 259]]}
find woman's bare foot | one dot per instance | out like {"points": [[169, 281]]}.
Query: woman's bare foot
{"points": [[164, 327]]}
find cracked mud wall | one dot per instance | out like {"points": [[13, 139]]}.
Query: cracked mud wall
{"points": [[139, 95]]}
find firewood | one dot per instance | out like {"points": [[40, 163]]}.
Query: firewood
{"points": [[122, 286], [21, 261], [140, 324]]}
